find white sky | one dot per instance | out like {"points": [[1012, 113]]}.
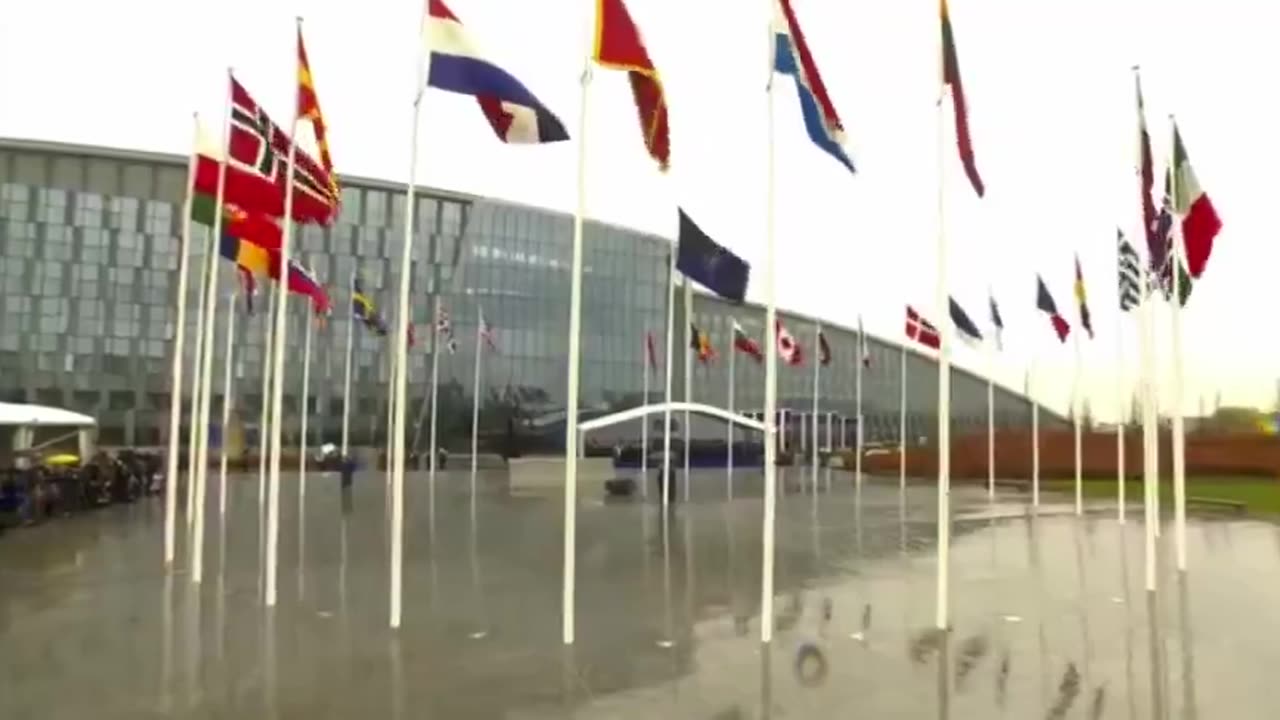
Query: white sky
{"points": [[1051, 109]]}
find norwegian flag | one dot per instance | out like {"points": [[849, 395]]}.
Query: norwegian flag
{"points": [[651, 354], [487, 334], [788, 348]]}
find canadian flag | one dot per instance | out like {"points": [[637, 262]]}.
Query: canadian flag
{"points": [[788, 348]]}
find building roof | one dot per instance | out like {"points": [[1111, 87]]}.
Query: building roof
{"points": [[21, 415]]}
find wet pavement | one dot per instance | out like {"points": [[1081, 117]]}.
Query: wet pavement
{"points": [[1050, 617]]}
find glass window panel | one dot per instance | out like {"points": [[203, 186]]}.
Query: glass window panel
{"points": [[159, 217], [51, 205], [171, 183], [351, 206], [123, 213], [15, 201]]}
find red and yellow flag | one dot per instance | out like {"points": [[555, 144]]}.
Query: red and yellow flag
{"points": [[618, 46], [309, 109]]}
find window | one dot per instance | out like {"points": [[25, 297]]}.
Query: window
{"points": [[137, 180], [51, 206], [350, 214], [164, 252], [128, 249], [121, 283], [128, 320], [123, 213], [15, 201], [89, 320], [159, 218], [88, 210], [375, 208], [155, 287], [54, 317], [48, 280], [57, 242], [103, 177], [93, 246], [12, 273]]}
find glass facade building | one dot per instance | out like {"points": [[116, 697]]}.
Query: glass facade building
{"points": [[89, 252]]}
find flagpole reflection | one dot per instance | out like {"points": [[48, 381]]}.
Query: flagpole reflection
{"points": [[1190, 708]]}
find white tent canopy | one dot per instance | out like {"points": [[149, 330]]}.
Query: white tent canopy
{"points": [[21, 415]]}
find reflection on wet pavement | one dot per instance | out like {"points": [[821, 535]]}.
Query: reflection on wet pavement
{"points": [[1050, 618]]}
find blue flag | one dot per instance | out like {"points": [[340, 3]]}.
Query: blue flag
{"points": [[710, 264]]}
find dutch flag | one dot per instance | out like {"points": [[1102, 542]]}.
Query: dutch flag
{"points": [[457, 65]]}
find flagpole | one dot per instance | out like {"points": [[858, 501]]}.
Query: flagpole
{"points": [[770, 372], [1150, 468], [817, 381], [179, 346], [1075, 414], [732, 350], [435, 405], [277, 390], [991, 425], [857, 402], [644, 420], [942, 619], [902, 424], [401, 365], [193, 431], [574, 366], [388, 449], [305, 411], [475, 402], [268, 344], [1179, 427], [228, 364], [206, 361], [688, 383], [346, 374], [667, 379], [1120, 422], [1035, 436]]}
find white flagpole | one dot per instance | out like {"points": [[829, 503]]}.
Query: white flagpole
{"points": [[688, 384], [770, 372], [228, 365], [475, 402], [391, 415], [729, 448], [1075, 414], [668, 378], [991, 425], [857, 402], [1035, 436], [193, 434], [206, 361], [1150, 466], [304, 411], [346, 375], [942, 618], [844, 432], [1120, 421], [179, 343], [268, 344], [644, 423], [902, 423], [817, 382], [277, 389], [1179, 427], [575, 364], [435, 404], [401, 366]]}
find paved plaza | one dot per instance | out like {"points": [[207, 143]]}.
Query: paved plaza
{"points": [[1050, 615]]}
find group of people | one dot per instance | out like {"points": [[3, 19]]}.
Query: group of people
{"points": [[33, 490]]}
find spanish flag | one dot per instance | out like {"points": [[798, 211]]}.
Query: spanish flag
{"points": [[618, 47], [309, 109]]}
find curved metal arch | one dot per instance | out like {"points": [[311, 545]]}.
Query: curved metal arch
{"points": [[643, 410]]}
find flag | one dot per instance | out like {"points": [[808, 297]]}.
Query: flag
{"points": [[248, 287], [863, 350], [1086, 321], [247, 256], [302, 281], [487, 335], [1191, 204], [997, 322], [256, 227], [411, 336], [457, 65], [1146, 175], [969, 331], [824, 350], [618, 46], [257, 157], [309, 109], [1044, 302], [444, 329], [743, 343], [1130, 285], [791, 57], [921, 330], [701, 344], [951, 76], [651, 354], [710, 264], [365, 310], [788, 348]]}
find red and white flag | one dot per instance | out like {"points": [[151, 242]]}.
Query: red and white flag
{"points": [[921, 330], [487, 334], [650, 352], [788, 348], [743, 343]]}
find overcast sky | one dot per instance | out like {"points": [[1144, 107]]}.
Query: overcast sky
{"points": [[1052, 112]]}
